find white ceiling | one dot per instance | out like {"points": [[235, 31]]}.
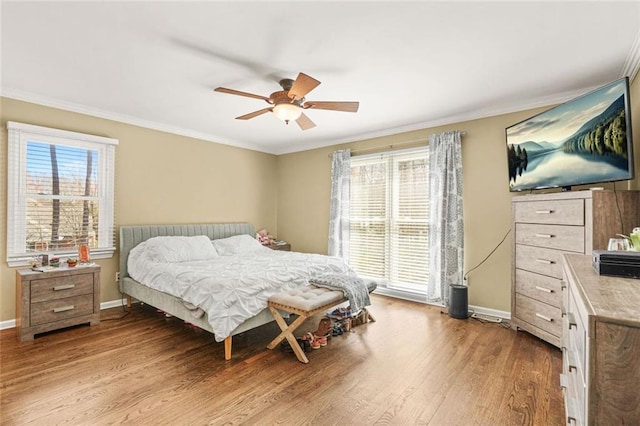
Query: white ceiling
{"points": [[411, 65]]}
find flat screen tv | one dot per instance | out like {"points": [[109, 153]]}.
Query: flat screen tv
{"points": [[584, 141]]}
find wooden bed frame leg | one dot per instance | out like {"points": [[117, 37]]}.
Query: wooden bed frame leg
{"points": [[128, 301], [227, 348]]}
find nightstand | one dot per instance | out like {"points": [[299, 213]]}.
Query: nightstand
{"points": [[283, 247], [55, 299]]}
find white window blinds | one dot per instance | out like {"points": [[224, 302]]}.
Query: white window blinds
{"points": [[60, 193], [389, 213]]}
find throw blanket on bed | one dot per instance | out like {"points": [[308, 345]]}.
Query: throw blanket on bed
{"points": [[353, 288]]}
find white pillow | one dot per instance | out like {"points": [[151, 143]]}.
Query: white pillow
{"points": [[173, 249], [237, 244]]}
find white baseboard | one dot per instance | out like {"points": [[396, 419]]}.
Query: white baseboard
{"points": [[7, 324], [493, 312], [420, 298], [104, 305], [113, 304], [404, 295]]}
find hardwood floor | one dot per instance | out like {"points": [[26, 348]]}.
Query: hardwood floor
{"points": [[413, 366]]}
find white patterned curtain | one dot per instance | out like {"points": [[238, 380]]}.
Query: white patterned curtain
{"points": [[446, 232], [339, 213]]}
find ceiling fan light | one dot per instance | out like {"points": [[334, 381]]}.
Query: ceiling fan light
{"points": [[287, 111]]}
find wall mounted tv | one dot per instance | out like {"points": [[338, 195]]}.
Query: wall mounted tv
{"points": [[586, 140]]}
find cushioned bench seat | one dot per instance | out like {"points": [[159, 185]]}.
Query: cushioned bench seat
{"points": [[305, 302]]}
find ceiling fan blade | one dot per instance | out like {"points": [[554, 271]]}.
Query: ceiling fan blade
{"points": [[254, 114], [303, 85], [333, 106], [305, 122], [239, 93]]}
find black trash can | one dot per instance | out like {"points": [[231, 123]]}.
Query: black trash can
{"points": [[458, 302]]}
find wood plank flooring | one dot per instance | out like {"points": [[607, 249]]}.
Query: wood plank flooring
{"points": [[414, 366]]}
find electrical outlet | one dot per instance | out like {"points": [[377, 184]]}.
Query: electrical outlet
{"points": [[117, 276]]}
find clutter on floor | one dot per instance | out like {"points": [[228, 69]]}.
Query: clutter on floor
{"points": [[335, 323]]}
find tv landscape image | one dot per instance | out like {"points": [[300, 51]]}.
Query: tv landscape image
{"points": [[586, 140]]}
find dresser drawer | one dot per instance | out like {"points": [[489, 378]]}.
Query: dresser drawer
{"points": [[60, 309], [558, 212], [576, 387], [539, 287], [538, 259], [560, 237], [577, 331], [539, 314], [61, 287]]}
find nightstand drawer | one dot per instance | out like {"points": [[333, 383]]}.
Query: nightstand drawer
{"points": [[559, 237], [60, 309], [558, 212], [61, 287], [539, 314], [539, 287]]}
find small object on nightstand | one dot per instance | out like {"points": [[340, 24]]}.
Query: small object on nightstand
{"points": [[84, 255], [280, 245]]}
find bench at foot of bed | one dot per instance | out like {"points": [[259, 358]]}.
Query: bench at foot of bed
{"points": [[304, 302]]}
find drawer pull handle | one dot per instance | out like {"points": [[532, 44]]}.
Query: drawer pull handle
{"points": [[545, 235], [544, 211], [64, 287], [546, 290], [64, 309], [572, 409], [563, 381], [571, 362], [572, 321], [545, 261], [544, 317]]}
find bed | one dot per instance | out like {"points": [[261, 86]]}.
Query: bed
{"points": [[135, 240]]}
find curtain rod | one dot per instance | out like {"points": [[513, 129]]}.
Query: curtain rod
{"points": [[375, 148]]}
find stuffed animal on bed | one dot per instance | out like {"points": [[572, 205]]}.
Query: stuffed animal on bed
{"points": [[264, 238]]}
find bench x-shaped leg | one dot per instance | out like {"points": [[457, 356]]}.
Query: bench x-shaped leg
{"points": [[287, 333]]}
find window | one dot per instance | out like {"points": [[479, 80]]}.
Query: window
{"points": [[389, 218], [60, 193]]}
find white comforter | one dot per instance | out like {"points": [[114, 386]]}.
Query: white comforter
{"points": [[231, 289]]}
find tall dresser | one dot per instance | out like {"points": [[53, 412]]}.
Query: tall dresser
{"points": [[545, 227], [601, 346]]}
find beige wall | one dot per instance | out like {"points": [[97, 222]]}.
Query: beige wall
{"points": [[164, 178], [304, 185], [160, 178]]}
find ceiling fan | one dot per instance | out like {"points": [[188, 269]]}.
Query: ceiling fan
{"points": [[289, 103]]}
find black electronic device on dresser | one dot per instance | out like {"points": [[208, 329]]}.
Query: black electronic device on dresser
{"points": [[617, 263]]}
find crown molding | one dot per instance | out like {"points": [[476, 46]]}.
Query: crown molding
{"points": [[546, 101], [423, 125], [632, 64], [122, 118]]}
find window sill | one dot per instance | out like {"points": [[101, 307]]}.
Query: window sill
{"points": [[25, 260]]}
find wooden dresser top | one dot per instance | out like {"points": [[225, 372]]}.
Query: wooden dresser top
{"points": [[608, 297]]}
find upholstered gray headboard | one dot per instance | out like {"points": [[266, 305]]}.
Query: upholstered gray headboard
{"points": [[132, 235]]}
